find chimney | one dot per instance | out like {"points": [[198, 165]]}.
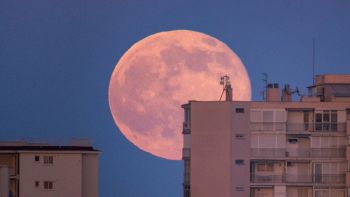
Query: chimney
{"points": [[286, 94], [273, 92]]}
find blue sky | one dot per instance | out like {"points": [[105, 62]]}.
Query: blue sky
{"points": [[56, 58]]}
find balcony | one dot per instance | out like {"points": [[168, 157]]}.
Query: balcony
{"points": [[299, 153], [299, 178]]}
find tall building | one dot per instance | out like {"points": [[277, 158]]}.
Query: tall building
{"points": [[38, 169], [270, 148]]}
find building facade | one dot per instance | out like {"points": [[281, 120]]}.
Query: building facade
{"points": [[271, 148], [37, 169]]}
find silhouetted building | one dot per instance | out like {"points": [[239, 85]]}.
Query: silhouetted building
{"points": [[38, 169], [271, 148]]}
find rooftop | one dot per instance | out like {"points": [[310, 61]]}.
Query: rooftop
{"points": [[73, 145]]}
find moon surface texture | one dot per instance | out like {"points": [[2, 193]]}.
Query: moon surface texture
{"points": [[160, 73]]}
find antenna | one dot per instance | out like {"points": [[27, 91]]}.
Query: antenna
{"points": [[225, 82], [287, 93], [313, 61], [265, 80]]}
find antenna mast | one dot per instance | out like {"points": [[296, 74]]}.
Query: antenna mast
{"points": [[265, 80], [313, 61], [226, 84]]}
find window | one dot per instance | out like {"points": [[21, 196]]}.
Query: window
{"points": [[48, 185], [268, 116], [36, 183], [239, 136], [293, 141], [326, 120], [48, 159], [239, 110], [239, 188], [37, 158], [240, 162]]}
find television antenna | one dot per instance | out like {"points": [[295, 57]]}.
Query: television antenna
{"points": [[226, 87], [265, 80]]}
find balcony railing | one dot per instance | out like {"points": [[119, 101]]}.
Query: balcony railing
{"points": [[301, 153], [268, 152], [329, 179], [328, 152], [297, 127], [298, 178], [317, 127], [256, 178], [267, 126]]}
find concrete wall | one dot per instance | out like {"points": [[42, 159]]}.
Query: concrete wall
{"points": [[211, 159], [4, 181], [240, 149], [90, 175], [65, 172]]}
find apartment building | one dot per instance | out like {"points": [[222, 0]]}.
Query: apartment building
{"points": [[40, 169], [270, 148]]}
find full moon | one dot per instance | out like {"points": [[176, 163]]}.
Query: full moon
{"points": [[160, 73]]}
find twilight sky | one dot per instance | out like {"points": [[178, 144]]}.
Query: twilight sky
{"points": [[56, 59]]}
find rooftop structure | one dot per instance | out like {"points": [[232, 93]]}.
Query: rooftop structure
{"points": [[40, 169], [271, 148]]}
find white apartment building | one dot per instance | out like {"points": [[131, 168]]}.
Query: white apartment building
{"points": [[44, 170], [272, 148]]}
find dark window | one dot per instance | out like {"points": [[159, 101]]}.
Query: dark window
{"points": [[239, 188], [36, 183], [293, 141], [37, 158], [239, 136], [48, 185], [239, 162], [48, 159], [239, 110]]}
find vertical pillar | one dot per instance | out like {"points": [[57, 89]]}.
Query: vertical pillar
{"points": [[4, 181], [348, 156]]}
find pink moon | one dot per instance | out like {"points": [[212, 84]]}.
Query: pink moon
{"points": [[160, 73]]}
